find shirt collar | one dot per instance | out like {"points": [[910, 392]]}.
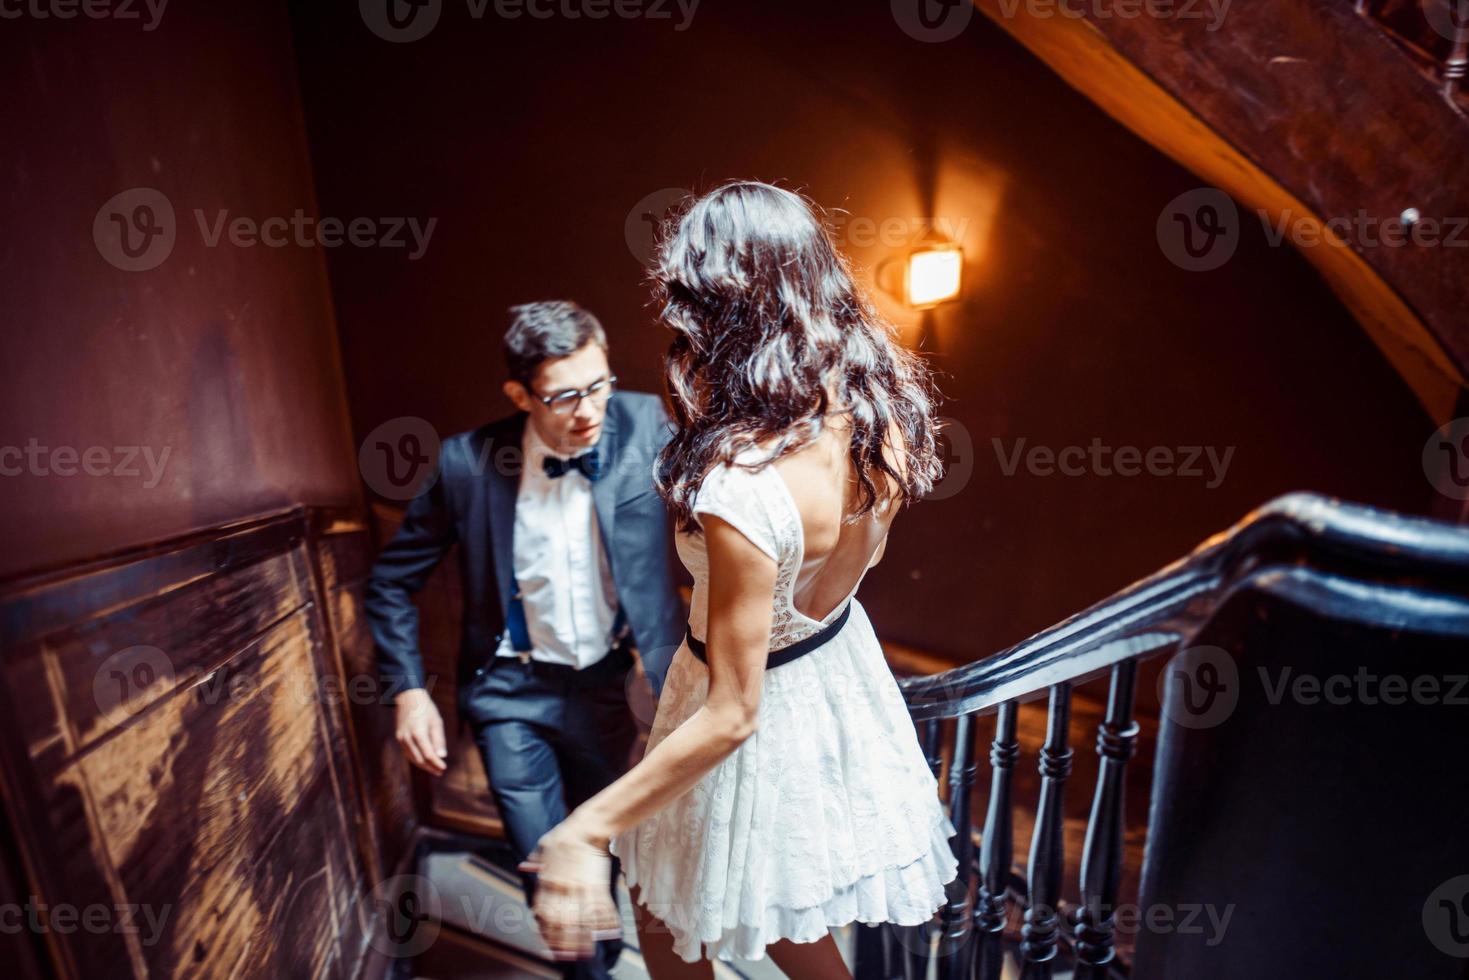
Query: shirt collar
{"points": [[536, 448]]}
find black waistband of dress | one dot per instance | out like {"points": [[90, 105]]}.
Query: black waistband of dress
{"points": [[785, 654]]}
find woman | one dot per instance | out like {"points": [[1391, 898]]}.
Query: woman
{"points": [[783, 790]]}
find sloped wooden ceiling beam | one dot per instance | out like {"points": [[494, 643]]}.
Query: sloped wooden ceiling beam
{"points": [[1300, 108]]}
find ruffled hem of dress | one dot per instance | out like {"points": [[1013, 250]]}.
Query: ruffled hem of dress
{"points": [[906, 895]]}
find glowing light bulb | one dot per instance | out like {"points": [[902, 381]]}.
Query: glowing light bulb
{"points": [[934, 275]]}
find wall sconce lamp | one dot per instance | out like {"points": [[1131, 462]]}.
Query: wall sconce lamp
{"points": [[933, 274]]}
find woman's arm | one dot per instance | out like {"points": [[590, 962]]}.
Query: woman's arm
{"points": [[573, 907], [741, 599]]}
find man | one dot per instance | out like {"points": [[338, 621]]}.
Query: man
{"points": [[565, 557]]}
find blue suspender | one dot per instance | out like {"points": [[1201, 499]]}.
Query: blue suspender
{"points": [[515, 620], [516, 624]]}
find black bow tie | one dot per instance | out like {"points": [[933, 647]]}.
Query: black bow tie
{"points": [[590, 464]]}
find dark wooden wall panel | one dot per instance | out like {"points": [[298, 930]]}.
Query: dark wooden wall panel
{"points": [[215, 802], [198, 628], [216, 782], [343, 551]]}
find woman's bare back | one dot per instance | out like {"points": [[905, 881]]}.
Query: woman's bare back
{"points": [[837, 554]]}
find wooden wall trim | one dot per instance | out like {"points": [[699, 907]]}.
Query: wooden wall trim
{"points": [[42, 602]]}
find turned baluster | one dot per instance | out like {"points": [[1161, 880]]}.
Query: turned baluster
{"points": [[954, 954], [933, 745], [996, 850], [1042, 920], [869, 962], [917, 940], [1101, 858]]}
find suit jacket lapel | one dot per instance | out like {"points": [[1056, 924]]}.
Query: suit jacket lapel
{"points": [[604, 491], [502, 483]]}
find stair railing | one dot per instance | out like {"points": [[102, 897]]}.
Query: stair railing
{"points": [[1350, 561]]}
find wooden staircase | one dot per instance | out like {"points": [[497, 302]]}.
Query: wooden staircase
{"points": [[486, 932]]}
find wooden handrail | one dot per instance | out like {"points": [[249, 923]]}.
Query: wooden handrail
{"points": [[1165, 609]]}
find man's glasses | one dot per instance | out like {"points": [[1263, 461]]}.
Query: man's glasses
{"points": [[565, 402]]}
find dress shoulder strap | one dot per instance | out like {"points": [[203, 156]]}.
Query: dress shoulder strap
{"points": [[748, 501]]}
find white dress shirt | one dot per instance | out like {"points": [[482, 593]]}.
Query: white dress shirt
{"points": [[565, 580]]}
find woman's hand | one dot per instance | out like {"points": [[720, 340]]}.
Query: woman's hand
{"points": [[573, 905]]}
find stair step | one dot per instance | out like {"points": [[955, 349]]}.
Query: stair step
{"points": [[489, 933]]}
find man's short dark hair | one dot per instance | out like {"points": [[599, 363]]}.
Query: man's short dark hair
{"points": [[541, 331]]}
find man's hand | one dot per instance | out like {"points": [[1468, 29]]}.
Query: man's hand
{"points": [[573, 907], [420, 730]]}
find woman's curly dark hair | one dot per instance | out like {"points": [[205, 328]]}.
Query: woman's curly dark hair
{"points": [[768, 326]]}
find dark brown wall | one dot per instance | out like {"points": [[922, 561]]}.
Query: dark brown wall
{"points": [[177, 730], [225, 357], [531, 140]]}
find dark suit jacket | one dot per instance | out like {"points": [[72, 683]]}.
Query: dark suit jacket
{"points": [[470, 501]]}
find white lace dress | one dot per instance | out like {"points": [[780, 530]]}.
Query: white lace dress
{"points": [[828, 814]]}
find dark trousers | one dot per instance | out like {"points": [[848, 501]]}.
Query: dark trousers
{"points": [[552, 737]]}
